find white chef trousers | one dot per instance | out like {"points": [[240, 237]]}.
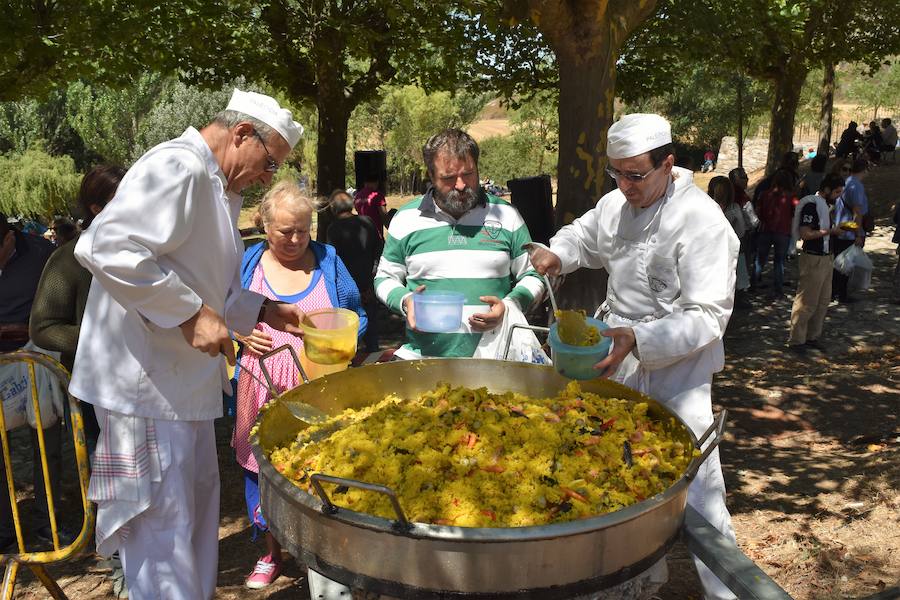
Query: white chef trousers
{"points": [[706, 494], [171, 551], [685, 388]]}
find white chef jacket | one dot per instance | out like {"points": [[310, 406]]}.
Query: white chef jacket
{"points": [[671, 278], [167, 243]]}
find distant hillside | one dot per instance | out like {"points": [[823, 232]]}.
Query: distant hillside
{"points": [[486, 128], [492, 121], [493, 110]]}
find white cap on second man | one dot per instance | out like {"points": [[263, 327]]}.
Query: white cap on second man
{"points": [[267, 110], [636, 134]]}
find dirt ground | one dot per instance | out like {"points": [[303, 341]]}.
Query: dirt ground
{"points": [[811, 458]]}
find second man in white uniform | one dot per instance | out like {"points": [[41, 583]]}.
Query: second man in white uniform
{"points": [[671, 256]]}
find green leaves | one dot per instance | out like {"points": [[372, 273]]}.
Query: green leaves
{"points": [[701, 103], [877, 89], [403, 121], [37, 184]]}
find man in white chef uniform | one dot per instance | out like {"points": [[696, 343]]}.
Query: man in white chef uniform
{"points": [[165, 256], [671, 255]]}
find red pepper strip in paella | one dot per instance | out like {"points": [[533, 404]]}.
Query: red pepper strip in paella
{"points": [[573, 494]]}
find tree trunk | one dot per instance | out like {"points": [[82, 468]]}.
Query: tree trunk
{"points": [[788, 86], [586, 38], [585, 114], [331, 147], [826, 113]]}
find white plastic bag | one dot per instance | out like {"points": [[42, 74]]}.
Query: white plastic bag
{"points": [[851, 258], [860, 280], [750, 216], [861, 276], [15, 391], [15, 395], [524, 346]]}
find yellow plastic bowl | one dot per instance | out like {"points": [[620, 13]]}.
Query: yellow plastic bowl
{"points": [[333, 339]]}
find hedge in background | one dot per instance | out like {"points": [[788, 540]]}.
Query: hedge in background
{"points": [[33, 183]]}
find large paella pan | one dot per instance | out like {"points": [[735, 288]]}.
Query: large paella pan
{"points": [[400, 558]]}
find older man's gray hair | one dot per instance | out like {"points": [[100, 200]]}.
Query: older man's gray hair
{"points": [[231, 118], [455, 142]]}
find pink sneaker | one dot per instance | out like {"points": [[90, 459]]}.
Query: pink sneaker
{"points": [[264, 573]]}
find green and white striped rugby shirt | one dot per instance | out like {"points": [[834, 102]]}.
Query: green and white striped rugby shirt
{"points": [[479, 255]]}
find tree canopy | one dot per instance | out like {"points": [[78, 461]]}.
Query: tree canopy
{"points": [[877, 89], [700, 103], [778, 42], [48, 44]]}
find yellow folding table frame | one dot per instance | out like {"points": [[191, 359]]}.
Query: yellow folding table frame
{"points": [[37, 561]]}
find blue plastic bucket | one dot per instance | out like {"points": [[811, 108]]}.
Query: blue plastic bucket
{"points": [[577, 362]]}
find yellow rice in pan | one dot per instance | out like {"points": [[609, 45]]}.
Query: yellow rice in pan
{"points": [[469, 458]]}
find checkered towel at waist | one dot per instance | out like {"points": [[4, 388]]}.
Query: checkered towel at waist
{"points": [[126, 460]]}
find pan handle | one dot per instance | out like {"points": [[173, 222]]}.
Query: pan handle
{"points": [[718, 426], [329, 507], [512, 330], [265, 371]]}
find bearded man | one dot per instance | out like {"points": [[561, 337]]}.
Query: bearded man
{"points": [[456, 237]]}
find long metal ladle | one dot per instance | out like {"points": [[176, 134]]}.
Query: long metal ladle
{"points": [[307, 413], [530, 247]]}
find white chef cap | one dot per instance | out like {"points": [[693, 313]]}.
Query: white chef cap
{"points": [[636, 134], [267, 110]]}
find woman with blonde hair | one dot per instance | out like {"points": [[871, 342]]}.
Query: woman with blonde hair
{"points": [[287, 267]]}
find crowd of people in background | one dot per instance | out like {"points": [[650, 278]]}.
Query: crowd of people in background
{"points": [[826, 210], [869, 144]]}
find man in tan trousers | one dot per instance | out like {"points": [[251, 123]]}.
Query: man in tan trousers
{"points": [[813, 225]]}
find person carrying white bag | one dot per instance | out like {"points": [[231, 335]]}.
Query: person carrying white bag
{"points": [[857, 267], [852, 206]]}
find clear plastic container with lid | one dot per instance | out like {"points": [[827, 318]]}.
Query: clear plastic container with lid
{"points": [[438, 312]]}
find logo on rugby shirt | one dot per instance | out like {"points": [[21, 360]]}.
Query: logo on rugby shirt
{"points": [[493, 228]]}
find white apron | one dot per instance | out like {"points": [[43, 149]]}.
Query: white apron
{"points": [[638, 271]]}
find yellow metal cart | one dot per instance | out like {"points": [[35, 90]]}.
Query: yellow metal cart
{"points": [[37, 561]]}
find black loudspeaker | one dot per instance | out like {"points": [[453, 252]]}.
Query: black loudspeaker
{"points": [[533, 197], [367, 162]]}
